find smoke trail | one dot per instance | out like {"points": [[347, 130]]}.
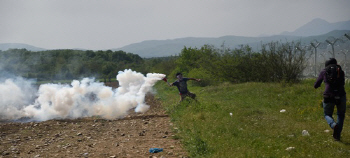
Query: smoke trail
{"points": [[89, 98]]}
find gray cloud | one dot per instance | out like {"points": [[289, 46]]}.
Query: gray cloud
{"points": [[106, 24]]}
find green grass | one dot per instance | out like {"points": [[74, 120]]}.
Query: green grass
{"points": [[257, 128]]}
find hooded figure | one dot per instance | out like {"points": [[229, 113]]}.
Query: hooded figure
{"points": [[333, 95]]}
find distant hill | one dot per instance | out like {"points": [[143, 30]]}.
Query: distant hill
{"points": [[317, 27], [161, 48], [6, 46]]}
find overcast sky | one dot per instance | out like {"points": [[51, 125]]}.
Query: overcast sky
{"points": [[107, 24]]}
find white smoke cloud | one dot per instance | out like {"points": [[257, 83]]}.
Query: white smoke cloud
{"points": [[80, 99], [15, 94]]}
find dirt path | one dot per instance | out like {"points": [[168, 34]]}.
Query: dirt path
{"points": [[131, 136]]}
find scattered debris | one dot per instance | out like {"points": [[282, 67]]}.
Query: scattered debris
{"points": [[86, 154], [291, 135], [155, 150], [305, 133], [290, 148]]}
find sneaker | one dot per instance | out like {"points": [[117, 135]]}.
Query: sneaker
{"points": [[336, 133]]}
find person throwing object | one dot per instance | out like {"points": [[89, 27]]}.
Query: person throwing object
{"points": [[181, 84], [334, 95]]}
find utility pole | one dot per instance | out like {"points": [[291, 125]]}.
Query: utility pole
{"points": [[344, 52], [315, 45], [347, 36], [332, 44]]}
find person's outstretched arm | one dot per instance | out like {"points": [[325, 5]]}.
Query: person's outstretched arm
{"points": [[198, 80]]}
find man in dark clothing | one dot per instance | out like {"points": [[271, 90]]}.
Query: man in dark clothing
{"points": [[181, 84], [334, 95]]}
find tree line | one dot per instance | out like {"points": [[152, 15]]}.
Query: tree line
{"points": [[275, 62], [67, 64]]}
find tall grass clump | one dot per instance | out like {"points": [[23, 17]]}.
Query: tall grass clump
{"points": [[258, 127]]}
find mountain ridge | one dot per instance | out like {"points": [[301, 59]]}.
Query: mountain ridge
{"points": [[161, 48], [6, 46], [318, 29], [318, 26]]}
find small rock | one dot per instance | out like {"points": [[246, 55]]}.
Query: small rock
{"points": [[5, 153], [290, 148], [305, 133], [290, 136], [30, 151], [79, 134], [326, 131]]}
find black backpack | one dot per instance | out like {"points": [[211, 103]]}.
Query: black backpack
{"points": [[333, 74]]}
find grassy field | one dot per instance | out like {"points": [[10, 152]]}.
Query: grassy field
{"points": [[257, 127]]}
